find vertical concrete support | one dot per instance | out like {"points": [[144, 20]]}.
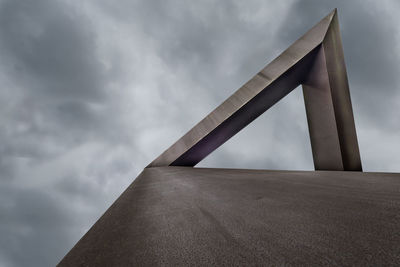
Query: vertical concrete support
{"points": [[321, 120], [341, 97], [328, 107]]}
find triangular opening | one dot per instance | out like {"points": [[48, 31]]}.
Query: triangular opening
{"points": [[278, 139]]}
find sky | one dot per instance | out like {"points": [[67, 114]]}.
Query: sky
{"points": [[91, 91]]}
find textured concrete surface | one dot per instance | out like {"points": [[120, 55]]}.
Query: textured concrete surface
{"points": [[180, 216]]}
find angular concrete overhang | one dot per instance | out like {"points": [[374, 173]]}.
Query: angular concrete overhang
{"points": [[316, 62]]}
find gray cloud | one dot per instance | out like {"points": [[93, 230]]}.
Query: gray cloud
{"points": [[51, 49], [92, 91]]}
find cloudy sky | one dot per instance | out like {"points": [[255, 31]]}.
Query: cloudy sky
{"points": [[91, 91]]}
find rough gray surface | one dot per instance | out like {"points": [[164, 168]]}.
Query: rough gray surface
{"points": [[181, 216]]}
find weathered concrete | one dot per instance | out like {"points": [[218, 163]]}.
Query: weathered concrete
{"points": [[181, 216]]}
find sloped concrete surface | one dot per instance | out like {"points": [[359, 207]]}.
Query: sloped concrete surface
{"points": [[181, 216]]}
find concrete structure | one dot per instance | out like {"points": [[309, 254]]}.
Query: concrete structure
{"points": [[177, 215], [316, 62]]}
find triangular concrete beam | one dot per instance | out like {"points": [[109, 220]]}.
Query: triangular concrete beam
{"points": [[316, 61]]}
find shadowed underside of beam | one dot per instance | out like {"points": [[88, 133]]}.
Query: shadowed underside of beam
{"points": [[181, 216], [315, 60]]}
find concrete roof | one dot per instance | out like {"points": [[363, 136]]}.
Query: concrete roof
{"points": [[180, 216]]}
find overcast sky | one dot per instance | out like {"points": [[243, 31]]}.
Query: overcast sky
{"points": [[92, 91]]}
